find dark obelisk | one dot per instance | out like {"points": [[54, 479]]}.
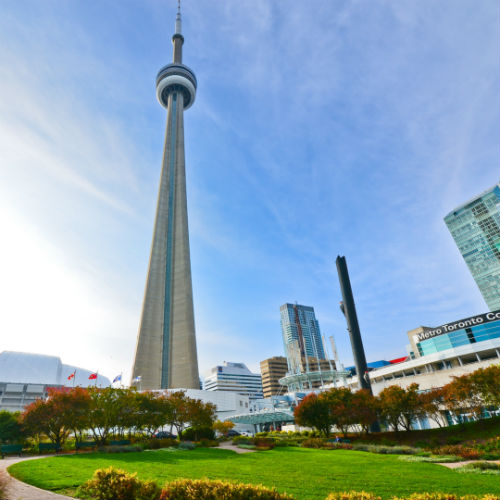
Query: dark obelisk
{"points": [[165, 355]]}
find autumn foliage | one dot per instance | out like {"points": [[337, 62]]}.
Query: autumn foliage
{"points": [[399, 407], [111, 413]]}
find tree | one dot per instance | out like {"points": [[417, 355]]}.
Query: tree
{"points": [[223, 426], [75, 406], [200, 415], [340, 408], [431, 403], [391, 405], [177, 414], [364, 409], [461, 396], [412, 406], [10, 427], [110, 409], [313, 412], [400, 407], [487, 383], [47, 417], [150, 414]]}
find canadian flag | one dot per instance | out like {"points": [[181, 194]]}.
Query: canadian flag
{"points": [[72, 375], [93, 376]]}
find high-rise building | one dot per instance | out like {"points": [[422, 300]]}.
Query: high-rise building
{"points": [[475, 227], [316, 372], [234, 377], [166, 344], [272, 369], [300, 327]]}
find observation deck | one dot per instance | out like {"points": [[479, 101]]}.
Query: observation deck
{"points": [[176, 77]]}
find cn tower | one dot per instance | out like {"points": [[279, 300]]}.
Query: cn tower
{"points": [[165, 354]]}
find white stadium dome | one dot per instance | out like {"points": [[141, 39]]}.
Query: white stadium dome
{"points": [[29, 368]]}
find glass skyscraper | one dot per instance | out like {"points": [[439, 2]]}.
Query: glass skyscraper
{"points": [[299, 325], [475, 227]]}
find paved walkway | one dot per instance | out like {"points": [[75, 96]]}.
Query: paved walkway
{"points": [[17, 490], [227, 445]]}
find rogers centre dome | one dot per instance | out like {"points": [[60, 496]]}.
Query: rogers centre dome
{"points": [[28, 368], [25, 377]]}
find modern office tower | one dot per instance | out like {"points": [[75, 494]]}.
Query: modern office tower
{"points": [[234, 377], [272, 369], [475, 227], [300, 327], [166, 344]]}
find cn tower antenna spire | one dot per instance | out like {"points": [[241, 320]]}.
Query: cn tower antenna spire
{"points": [[178, 24]]}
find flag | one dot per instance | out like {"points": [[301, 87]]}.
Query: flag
{"points": [[93, 376], [137, 379], [72, 375], [118, 378]]}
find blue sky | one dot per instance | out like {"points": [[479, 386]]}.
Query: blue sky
{"points": [[319, 128]]}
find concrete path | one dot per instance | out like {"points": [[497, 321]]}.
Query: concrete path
{"points": [[17, 490], [227, 445]]}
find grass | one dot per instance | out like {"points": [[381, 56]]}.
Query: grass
{"points": [[305, 473]]}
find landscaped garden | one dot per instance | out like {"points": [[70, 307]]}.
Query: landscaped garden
{"points": [[304, 473], [134, 461]]}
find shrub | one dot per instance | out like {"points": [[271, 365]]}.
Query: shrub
{"points": [[206, 489], [403, 450], [263, 443], [156, 444], [116, 484], [245, 446], [186, 445], [361, 447], [115, 448], [111, 484], [485, 466], [396, 450], [489, 448], [332, 445], [194, 434], [441, 459], [480, 468], [422, 444], [208, 443], [462, 451], [148, 490], [242, 439], [313, 443], [352, 495], [286, 442]]}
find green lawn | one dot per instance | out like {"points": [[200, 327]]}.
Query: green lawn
{"points": [[305, 473]]}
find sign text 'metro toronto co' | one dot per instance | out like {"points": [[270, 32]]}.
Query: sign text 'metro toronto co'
{"points": [[458, 325]]}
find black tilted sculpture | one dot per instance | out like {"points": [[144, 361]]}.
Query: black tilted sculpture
{"points": [[348, 307]]}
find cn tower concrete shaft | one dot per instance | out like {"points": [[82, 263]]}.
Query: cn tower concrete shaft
{"points": [[166, 344]]}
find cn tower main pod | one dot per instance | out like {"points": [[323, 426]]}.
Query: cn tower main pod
{"points": [[165, 354]]}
